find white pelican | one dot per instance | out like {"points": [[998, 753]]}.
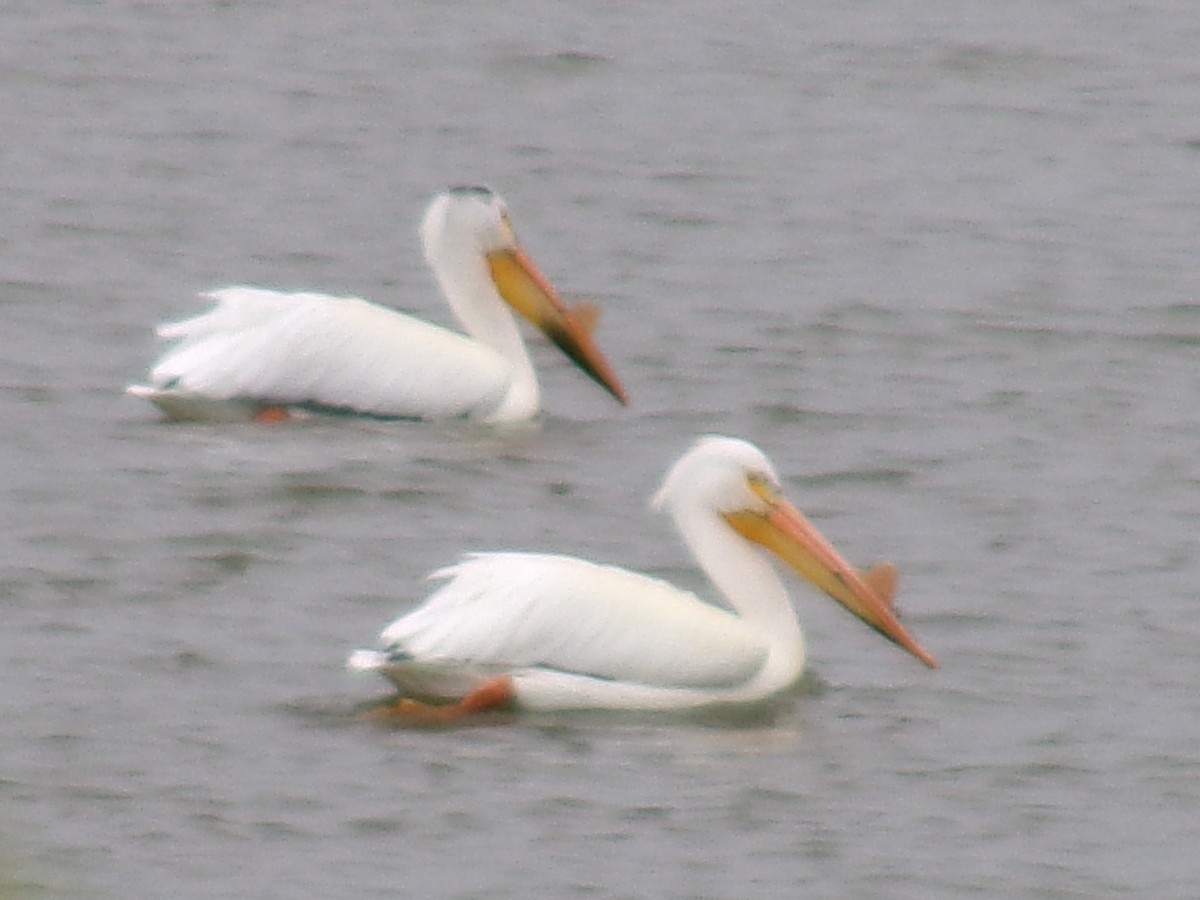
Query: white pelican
{"points": [[546, 632], [259, 352]]}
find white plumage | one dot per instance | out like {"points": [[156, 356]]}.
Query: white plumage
{"points": [[338, 352], [514, 607], [258, 348], [572, 634]]}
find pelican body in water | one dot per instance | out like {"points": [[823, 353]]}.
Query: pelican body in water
{"points": [[266, 351], [546, 632]]}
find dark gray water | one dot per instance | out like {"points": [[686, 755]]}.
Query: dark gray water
{"points": [[938, 259]]}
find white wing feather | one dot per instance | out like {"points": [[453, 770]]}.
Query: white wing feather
{"points": [[340, 352], [509, 610]]}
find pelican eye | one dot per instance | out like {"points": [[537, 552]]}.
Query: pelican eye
{"points": [[506, 228], [762, 487]]}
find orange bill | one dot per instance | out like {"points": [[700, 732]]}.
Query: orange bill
{"points": [[787, 533], [527, 291]]}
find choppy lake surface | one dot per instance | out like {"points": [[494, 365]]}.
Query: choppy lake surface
{"points": [[939, 260]]}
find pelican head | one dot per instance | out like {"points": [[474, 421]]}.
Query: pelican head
{"points": [[731, 480], [466, 225]]}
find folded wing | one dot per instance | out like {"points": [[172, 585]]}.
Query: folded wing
{"points": [[506, 611], [337, 352]]}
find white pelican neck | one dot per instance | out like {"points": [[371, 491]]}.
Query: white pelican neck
{"points": [[457, 260], [745, 577]]}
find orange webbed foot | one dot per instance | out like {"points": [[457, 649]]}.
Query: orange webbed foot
{"points": [[494, 694], [272, 415]]}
